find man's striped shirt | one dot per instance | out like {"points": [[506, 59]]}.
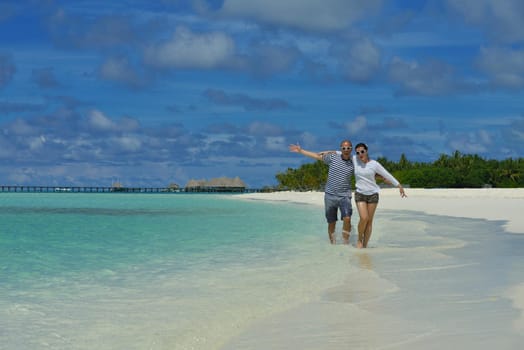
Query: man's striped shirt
{"points": [[339, 174]]}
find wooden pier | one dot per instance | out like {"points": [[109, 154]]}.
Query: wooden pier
{"points": [[88, 189], [101, 189]]}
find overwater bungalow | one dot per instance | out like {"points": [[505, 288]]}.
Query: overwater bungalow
{"points": [[221, 184]]}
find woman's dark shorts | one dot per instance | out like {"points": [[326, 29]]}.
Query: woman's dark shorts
{"points": [[368, 198]]}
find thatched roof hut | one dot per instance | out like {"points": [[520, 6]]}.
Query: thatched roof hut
{"points": [[195, 183], [238, 183], [220, 184]]}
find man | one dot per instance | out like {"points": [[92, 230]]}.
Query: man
{"points": [[337, 194]]}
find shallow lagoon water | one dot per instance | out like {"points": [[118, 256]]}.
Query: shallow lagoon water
{"points": [[177, 271]]}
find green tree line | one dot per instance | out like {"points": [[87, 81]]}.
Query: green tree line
{"points": [[448, 171]]}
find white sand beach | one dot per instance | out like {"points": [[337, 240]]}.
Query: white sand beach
{"points": [[444, 270], [490, 204]]}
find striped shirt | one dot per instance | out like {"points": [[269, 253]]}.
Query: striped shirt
{"points": [[339, 174]]}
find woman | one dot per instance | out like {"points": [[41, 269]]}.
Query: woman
{"points": [[366, 193]]}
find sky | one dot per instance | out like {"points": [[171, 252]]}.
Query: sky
{"points": [[150, 93]]}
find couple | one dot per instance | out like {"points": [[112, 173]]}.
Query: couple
{"points": [[337, 196]]}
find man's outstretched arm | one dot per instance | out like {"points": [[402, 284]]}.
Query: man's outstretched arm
{"points": [[298, 149]]}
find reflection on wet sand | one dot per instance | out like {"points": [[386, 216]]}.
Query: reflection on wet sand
{"points": [[364, 260]]}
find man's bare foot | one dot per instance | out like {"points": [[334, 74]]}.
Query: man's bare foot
{"points": [[345, 236], [332, 238], [360, 245]]}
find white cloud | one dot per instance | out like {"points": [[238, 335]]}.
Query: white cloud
{"points": [[187, 49], [504, 66], [98, 120], [269, 59], [518, 135], [114, 68], [7, 69], [265, 129], [515, 134], [128, 143], [119, 69], [7, 149], [501, 20], [484, 137], [431, 78], [21, 127], [308, 139], [276, 143], [36, 143], [21, 176], [472, 143], [356, 125], [314, 15], [362, 61]]}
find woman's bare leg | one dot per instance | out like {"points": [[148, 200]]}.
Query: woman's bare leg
{"points": [[362, 223], [371, 208]]}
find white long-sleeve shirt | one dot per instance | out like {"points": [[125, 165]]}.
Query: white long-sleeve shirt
{"points": [[365, 176]]}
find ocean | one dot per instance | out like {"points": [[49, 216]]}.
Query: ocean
{"points": [[148, 271], [211, 271]]}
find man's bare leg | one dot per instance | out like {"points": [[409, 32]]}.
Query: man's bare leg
{"points": [[331, 232], [346, 229]]}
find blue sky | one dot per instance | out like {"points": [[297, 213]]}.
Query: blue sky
{"points": [[154, 92]]}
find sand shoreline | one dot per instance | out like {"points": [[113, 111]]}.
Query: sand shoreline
{"points": [[490, 204], [449, 283]]}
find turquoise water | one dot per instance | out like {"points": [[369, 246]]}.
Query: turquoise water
{"points": [[69, 263], [46, 236], [191, 271]]}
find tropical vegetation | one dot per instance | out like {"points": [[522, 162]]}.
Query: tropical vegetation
{"points": [[448, 171]]}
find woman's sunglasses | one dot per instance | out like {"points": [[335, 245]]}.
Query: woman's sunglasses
{"points": [[361, 152]]}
